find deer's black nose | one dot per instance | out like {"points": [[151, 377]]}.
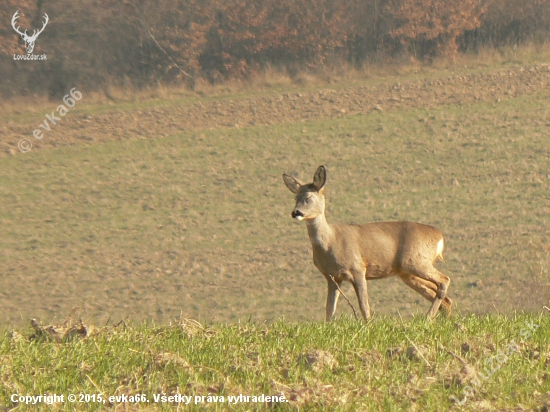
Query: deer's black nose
{"points": [[296, 213]]}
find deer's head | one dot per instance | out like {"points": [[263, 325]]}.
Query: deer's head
{"points": [[310, 198], [29, 40]]}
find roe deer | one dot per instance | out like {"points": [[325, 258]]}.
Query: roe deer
{"points": [[355, 253]]}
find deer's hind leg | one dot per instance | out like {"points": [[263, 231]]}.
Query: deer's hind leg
{"points": [[431, 274], [428, 290]]}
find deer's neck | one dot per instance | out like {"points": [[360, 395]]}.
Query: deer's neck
{"points": [[320, 232]]}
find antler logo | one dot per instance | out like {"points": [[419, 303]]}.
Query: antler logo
{"points": [[29, 40]]}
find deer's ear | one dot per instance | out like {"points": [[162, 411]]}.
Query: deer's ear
{"points": [[320, 178], [292, 183]]}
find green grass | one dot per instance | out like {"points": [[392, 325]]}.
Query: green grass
{"points": [[345, 365]]}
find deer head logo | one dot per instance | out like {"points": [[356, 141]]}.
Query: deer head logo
{"points": [[29, 40]]}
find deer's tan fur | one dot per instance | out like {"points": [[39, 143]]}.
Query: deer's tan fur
{"points": [[355, 253]]}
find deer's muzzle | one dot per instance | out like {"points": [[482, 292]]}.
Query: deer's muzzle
{"points": [[296, 214]]}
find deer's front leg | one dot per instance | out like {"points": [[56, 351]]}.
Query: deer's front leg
{"points": [[360, 285], [332, 296]]}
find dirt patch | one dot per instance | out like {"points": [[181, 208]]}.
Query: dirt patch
{"points": [[317, 360]]}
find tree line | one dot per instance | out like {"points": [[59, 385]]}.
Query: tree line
{"points": [[95, 43]]}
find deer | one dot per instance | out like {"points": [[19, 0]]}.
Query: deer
{"points": [[357, 253], [29, 40]]}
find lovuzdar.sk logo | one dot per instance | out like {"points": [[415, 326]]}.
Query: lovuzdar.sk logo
{"points": [[29, 40]]}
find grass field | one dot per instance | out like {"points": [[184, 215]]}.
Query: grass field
{"points": [[473, 363], [156, 210]]}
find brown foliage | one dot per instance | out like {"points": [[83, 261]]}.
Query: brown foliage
{"points": [[9, 43], [94, 43], [248, 34], [438, 23], [515, 22]]}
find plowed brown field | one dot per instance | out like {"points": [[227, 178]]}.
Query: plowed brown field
{"points": [[277, 108], [155, 208]]}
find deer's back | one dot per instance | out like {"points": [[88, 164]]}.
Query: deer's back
{"points": [[385, 247]]}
